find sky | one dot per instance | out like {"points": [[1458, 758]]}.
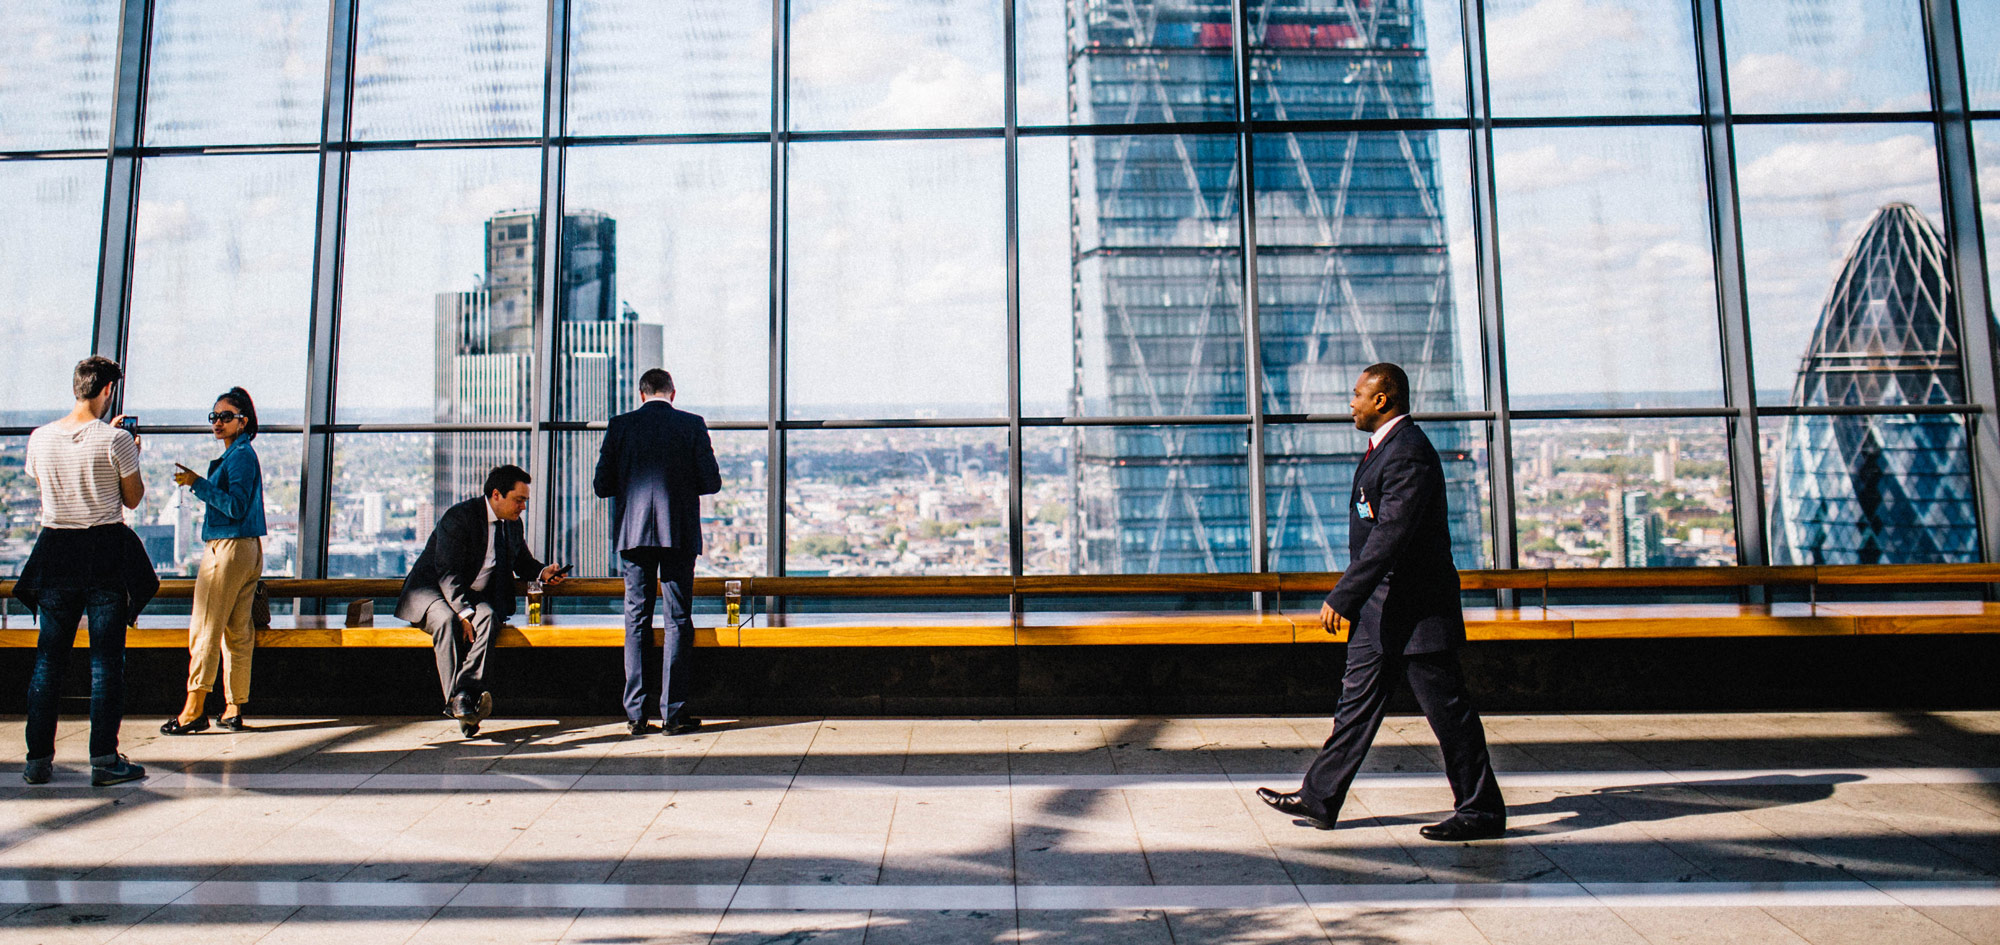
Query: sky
{"points": [[896, 285]]}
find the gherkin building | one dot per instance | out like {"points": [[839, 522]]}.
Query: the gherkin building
{"points": [[1879, 488]]}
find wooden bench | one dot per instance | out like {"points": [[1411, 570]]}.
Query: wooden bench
{"points": [[1290, 613]]}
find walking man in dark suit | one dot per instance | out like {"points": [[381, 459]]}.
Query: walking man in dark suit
{"points": [[462, 588], [656, 464], [1400, 593]]}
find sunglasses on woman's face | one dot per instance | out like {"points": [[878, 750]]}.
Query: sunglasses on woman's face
{"points": [[224, 417]]}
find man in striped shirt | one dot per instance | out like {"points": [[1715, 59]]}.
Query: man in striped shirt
{"points": [[87, 565]]}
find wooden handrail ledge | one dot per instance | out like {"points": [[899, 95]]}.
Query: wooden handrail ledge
{"points": [[1115, 584]]}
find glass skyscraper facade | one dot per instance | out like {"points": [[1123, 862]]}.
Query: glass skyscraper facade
{"points": [[1353, 269], [1880, 488], [1028, 287]]}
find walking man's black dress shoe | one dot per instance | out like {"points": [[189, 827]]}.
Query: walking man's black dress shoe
{"points": [[1294, 805], [638, 726], [1460, 829], [681, 725]]}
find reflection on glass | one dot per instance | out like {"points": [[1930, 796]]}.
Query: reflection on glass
{"points": [[1623, 494], [48, 284], [20, 508], [169, 518], [58, 69], [1131, 290], [897, 281], [1986, 147], [1591, 57], [681, 68], [681, 236], [1088, 62], [912, 501], [390, 488], [895, 63], [1604, 239], [1826, 57], [1390, 59], [1809, 194], [1873, 489], [1309, 477], [1136, 500], [1979, 41], [236, 71], [732, 521], [449, 69], [1364, 255], [440, 286], [222, 285]]}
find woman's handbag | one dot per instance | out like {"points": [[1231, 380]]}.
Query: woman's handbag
{"points": [[260, 608]]}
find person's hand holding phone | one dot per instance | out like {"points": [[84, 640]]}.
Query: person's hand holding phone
{"points": [[184, 476], [129, 424], [555, 574]]}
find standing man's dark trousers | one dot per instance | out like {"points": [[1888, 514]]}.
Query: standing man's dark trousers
{"points": [[1440, 691], [646, 570], [60, 610], [461, 666]]}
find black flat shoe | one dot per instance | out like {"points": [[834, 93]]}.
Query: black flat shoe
{"points": [[1294, 805], [173, 726], [233, 723], [638, 727], [681, 725], [1462, 829]]}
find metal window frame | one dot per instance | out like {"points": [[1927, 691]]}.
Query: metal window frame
{"points": [[1951, 120]]}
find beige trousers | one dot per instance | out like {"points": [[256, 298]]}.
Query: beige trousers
{"points": [[220, 630]]}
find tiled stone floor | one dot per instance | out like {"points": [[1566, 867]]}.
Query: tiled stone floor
{"points": [[1823, 828]]}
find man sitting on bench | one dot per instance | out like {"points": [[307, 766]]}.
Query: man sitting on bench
{"points": [[462, 588]]}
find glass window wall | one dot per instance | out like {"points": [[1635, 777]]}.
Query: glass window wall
{"points": [[865, 272]]}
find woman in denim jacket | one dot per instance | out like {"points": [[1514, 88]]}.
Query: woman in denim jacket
{"points": [[230, 565]]}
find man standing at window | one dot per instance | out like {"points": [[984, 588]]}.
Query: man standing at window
{"points": [[1400, 593], [656, 464], [87, 565], [462, 588]]}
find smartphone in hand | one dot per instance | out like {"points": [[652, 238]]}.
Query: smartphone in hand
{"points": [[129, 424]]}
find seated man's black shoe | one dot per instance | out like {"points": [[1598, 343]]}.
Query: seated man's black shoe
{"points": [[1461, 828], [638, 726], [1294, 805], [681, 725]]}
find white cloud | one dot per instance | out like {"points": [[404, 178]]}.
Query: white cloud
{"points": [[1547, 38], [1545, 167], [865, 63], [1760, 80], [1817, 170]]}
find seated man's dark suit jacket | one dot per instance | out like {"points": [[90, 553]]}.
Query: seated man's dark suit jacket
{"points": [[451, 561], [656, 464], [1400, 589]]}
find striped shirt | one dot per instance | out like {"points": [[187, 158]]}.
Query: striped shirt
{"points": [[78, 466]]}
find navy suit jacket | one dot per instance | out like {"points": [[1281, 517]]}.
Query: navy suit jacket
{"points": [[655, 466], [452, 558], [1400, 589]]}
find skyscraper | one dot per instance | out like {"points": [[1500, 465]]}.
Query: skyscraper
{"points": [[1879, 488], [1352, 269], [485, 369]]}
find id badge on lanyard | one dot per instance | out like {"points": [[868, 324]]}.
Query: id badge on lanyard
{"points": [[1362, 508]]}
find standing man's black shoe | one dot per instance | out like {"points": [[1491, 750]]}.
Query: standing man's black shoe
{"points": [[637, 726], [1460, 829], [467, 729], [681, 725], [1294, 805]]}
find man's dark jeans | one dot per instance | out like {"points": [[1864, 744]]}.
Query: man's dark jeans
{"points": [[645, 570], [60, 609]]}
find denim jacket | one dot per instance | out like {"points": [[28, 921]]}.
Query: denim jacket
{"points": [[234, 491]]}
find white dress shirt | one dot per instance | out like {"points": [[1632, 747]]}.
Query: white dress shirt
{"points": [[1375, 439], [492, 550]]}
